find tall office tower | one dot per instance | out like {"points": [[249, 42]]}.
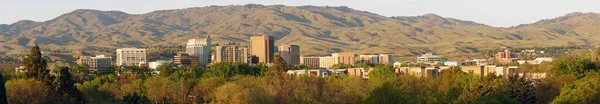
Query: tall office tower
{"points": [[346, 58], [232, 53], [290, 53], [261, 49], [100, 63], [200, 48], [131, 56]]}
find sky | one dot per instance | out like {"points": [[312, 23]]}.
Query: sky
{"points": [[499, 13]]}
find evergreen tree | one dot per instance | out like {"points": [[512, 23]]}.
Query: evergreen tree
{"points": [[65, 87], [36, 65], [520, 88], [279, 64], [3, 98]]}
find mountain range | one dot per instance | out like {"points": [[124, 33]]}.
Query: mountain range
{"points": [[318, 30]]}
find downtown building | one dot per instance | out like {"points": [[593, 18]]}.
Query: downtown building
{"points": [[377, 58], [317, 61], [343, 58], [290, 53], [429, 58], [504, 57], [310, 61], [261, 49], [100, 63], [185, 59], [232, 53], [199, 48], [131, 57]]}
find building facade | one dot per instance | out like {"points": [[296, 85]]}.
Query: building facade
{"points": [[155, 64], [100, 63], [185, 59], [232, 53], [130, 56], [345, 58], [326, 62], [504, 57], [374, 59], [290, 53], [310, 61], [199, 48], [429, 58], [261, 48]]}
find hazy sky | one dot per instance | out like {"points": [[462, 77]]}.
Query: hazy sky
{"points": [[491, 12]]}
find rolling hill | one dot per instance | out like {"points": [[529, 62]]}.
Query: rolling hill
{"points": [[317, 29]]}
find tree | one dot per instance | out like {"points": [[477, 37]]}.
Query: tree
{"points": [[81, 72], [165, 70], [382, 72], [386, 94], [65, 87], [482, 87], [279, 64], [583, 91], [549, 88], [159, 89], [36, 65], [495, 98], [572, 65], [27, 91], [135, 98], [520, 89], [3, 98]]}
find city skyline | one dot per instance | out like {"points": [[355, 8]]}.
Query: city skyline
{"points": [[498, 13]]}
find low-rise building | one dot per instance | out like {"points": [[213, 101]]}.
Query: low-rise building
{"points": [[310, 61], [353, 72], [450, 63], [155, 64], [376, 58], [326, 62], [100, 63], [185, 59], [490, 70], [429, 58], [475, 62]]}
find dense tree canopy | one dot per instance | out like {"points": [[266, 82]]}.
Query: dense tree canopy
{"points": [[571, 79]]}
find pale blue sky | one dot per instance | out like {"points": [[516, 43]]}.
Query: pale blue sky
{"points": [[491, 12]]}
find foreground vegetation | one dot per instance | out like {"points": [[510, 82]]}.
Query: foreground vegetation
{"points": [[573, 79]]}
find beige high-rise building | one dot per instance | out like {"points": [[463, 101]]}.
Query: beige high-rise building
{"points": [[232, 53], [290, 53], [131, 56], [199, 48], [261, 48], [326, 62], [310, 61], [346, 58], [100, 63]]}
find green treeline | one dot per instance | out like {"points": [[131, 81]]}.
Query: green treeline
{"points": [[572, 79]]}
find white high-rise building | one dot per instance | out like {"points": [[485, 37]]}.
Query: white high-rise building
{"points": [[200, 48], [131, 56]]}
